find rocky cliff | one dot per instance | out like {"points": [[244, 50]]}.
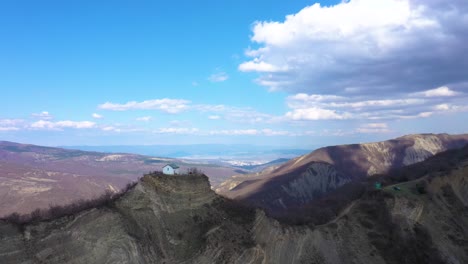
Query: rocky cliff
{"points": [[178, 219], [309, 177]]}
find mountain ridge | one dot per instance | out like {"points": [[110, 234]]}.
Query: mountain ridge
{"points": [[310, 176], [179, 219]]}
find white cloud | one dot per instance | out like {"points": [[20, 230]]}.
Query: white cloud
{"points": [[9, 128], [259, 66], [303, 100], [315, 113], [450, 108], [363, 47], [238, 114], [172, 106], [235, 132], [48, 125], [119, 128], [210, 108], [376, 125], [379, 103], [178, 130], [418, 115], [44, 115], [442, 107], [218, 77], [377, 106], [42, 124], [270, 132], [11, 122], [97, 116], [144, 118], [214, 117], [110, 128], [373, 128], [441, 91], [314, 98]]}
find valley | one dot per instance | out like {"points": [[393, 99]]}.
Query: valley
{"points": [[179, 219], [37, 177]]}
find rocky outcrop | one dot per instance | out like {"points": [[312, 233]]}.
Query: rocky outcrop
{"points": [[164, 219], [178, 219], [311, 176]]}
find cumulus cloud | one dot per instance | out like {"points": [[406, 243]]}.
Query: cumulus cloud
{"points": [[361, 47], [167, 105], [175, 106], [218, 77], [59, 125], [144, 118], [97, 116], [259, 66], [315, 113], [441, 91], [44, 115], [421, 104]]}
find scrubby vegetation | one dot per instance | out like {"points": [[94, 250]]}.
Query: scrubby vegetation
{"points": [[56, 211], [195, 171]]}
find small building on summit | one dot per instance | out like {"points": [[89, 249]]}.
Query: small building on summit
{"points": [[171, 169]]}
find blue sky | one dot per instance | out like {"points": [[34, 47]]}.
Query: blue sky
{"points": [[287, 73]]}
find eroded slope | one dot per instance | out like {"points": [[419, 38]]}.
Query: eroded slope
{"points": [[311, 176], [167, 219]]}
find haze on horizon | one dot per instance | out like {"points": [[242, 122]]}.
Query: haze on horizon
{"points": [[298, 73]]}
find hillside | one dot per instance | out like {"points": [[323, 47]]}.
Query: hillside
{"points": [[35, 177], [167, 219], [309, 177]]}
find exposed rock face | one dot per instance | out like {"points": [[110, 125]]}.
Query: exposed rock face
{"points": [[164, 219], [423, 148], [169, 219], [311, 176], [317, 179]]}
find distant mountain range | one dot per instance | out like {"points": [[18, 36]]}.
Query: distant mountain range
{"points": [[311, 176], [203, 151]]}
